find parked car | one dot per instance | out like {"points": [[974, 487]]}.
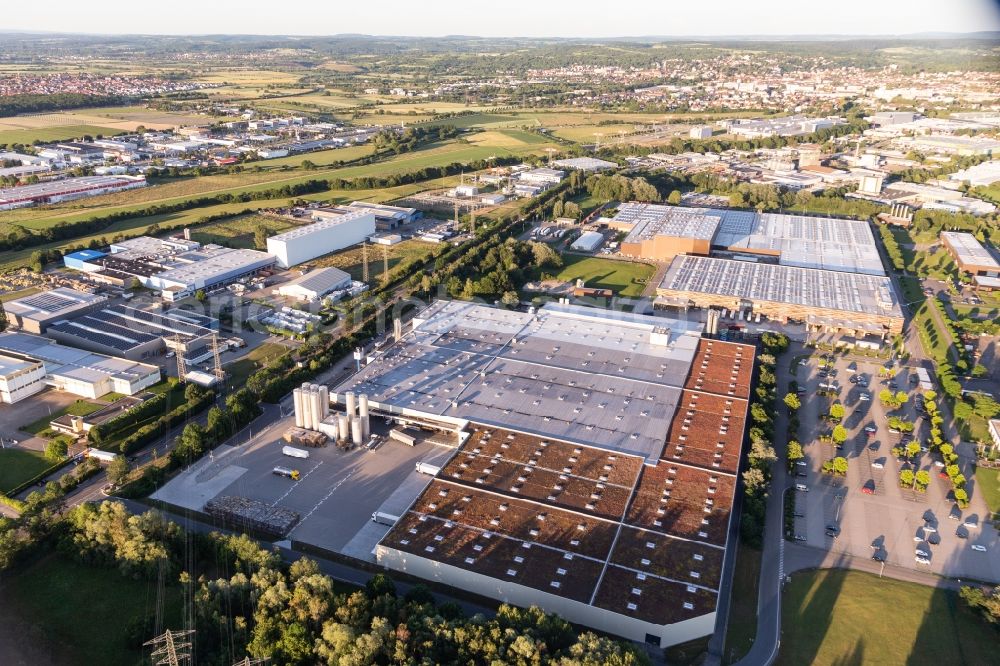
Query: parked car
{"points": [[878, 465], [864, 397], [970, 524], [978, 547], [802, 487], [801, 463], [879, 557], [922, 553], [871, 428], [922, 560], [867, 490], [799, 537]]}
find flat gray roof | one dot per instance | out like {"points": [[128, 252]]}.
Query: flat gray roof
{"points": [[75, 363], [579, 374], [969, 249], [651, 220], [810, 287]]}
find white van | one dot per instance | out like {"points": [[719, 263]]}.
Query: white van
{"points": [[802, 487]]}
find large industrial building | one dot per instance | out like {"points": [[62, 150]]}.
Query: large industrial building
{"points": [[55, 191], [134, 333], [76, 371], [597, 462], [334, 231], [970, 255], [35, 313], [660, 233], [20, 378], [824, 300], [176, 267]]}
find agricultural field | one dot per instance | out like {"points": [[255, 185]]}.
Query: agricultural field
{"points": [[835, 616], [625, 278], [20, 465], [56, 133]]}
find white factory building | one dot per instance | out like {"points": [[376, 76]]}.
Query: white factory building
{"points": [[75, 371], [331, 232], [316, 284], [19, 378]]}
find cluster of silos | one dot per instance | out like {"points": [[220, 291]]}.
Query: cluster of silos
{"points": [[712, 325], [354, 424], [312, 405]]}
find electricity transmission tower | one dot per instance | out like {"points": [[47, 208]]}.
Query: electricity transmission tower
{"points": [[364, 259], [219, 373], [171, 648], [247, 661], [385, 263], [178, 350]]}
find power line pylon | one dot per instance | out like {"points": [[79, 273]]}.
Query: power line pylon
{"points": [[247, 661], [219, 372], [178, 350], [171, 648], [385, 263], [364, 260]]}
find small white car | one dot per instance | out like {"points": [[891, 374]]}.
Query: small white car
{"points": [[803, 362], [801, 463], [878, 465], [871, 428], [978, 547], [970, 524], [930, 529], [922, 560], [864, 397], [922, 553]]}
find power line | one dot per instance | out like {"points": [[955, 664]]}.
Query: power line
{"points": [[364, 260], [171, 648], [247, 661]]}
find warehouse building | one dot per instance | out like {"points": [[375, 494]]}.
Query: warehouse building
{"points": [[35, 313], [133, 333], [663, 232], [597, 467], [79, 372], [316, 284], [388, 217], [588, 241], [970, 255], [176, 267], [825, 300], [83, 260], [334, 231], [68, 189], [20, 378], [660, 233], [589, 164]]}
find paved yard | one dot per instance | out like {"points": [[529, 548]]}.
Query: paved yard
{"points": [[896, 519]]}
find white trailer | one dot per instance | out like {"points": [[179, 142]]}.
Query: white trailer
{"points": [[384, 518], [427, 468], [401, 436], [103, 456], [294, 452]]}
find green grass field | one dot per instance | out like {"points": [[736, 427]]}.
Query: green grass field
{"points": [[742, 627], [848, 617], [351, 259], [20, 465], [238, 371], [621, 276], [78, 408], [20, 293], [61, 133], [85, 610], [238, 232], [988, 485]]}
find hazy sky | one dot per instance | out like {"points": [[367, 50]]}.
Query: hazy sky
{"points": [[524, 18]]}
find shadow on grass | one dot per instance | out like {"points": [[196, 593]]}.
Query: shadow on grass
{"points": [[812, 618]]}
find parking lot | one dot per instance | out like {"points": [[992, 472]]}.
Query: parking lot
{"points": [[335, 495], [867, 509]]}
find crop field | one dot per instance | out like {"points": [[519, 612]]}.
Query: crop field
{"points": [[57, 133], [848, 617], [508, 138]]}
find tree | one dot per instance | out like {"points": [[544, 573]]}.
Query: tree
{"points": [[795, 452], [674, 198], [510, 298], [840, 465], [792, 401], [118, 470], [754, 480], [906, 478], [260, 237], [923, 478], [837, 411], [901, 398], [56, 449], [962, 498], [201, 295], [840, 434], [135, 284], [912, 449]]}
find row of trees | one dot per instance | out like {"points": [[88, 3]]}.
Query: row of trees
{"points": [[756, 478], [12, 105]]}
